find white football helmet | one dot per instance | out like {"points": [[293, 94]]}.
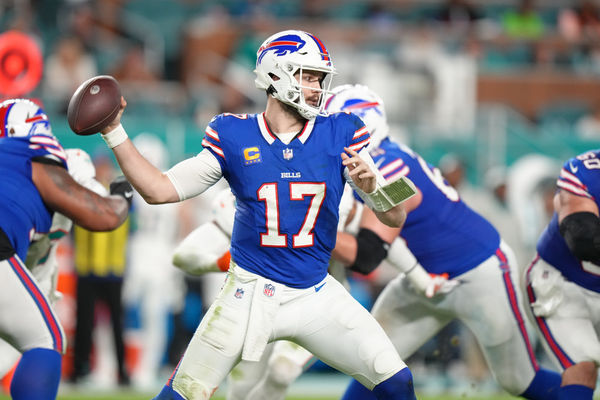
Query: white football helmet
{"points": [[22, 117], [223, 210], [283, 55], [362, 101], [80, 165]]}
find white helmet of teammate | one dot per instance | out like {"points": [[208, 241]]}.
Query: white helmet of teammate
{"points": [[362, 101], [283, 55], [223, 210], [22, 117], [152, 148]]}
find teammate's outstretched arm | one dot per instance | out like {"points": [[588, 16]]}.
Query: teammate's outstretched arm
{"points": [[87, 209], [151, 183]]}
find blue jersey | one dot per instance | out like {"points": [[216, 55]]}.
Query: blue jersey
{"points": [[579, 176], [443, 233], [287, 195], [22, 210]]}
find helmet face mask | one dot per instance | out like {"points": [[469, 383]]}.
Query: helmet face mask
{"points": [[281, 63], [362, 101], [22, 117]]}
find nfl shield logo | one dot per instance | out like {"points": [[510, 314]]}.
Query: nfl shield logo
{"points": [[288, 154], [239, 293], [269, 290]]}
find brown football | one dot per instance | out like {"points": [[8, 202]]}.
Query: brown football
{"points": [[94, 105]]}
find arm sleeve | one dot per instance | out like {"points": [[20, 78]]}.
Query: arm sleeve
{"points": [[194, 175]]}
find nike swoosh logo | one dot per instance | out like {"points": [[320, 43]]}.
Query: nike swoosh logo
{"points": [[128, 194], [317, 288], [573, 169]]}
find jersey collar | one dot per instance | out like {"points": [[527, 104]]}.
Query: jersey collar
{"points": [[270, 136]]}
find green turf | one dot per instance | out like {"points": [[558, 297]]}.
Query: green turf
{"points": [[123, 395]]}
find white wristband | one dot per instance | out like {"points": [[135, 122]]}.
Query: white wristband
{"points": [[115, 137]]}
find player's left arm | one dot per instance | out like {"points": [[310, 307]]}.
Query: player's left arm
{"points": [[383, 198]]}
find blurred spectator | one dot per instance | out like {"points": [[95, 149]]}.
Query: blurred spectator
{"points": [[100, 260], [530, 182], [66, 68], [458, 14], [588, 127], [580, 22], [133, 68], [454, 170], [524, 22]]}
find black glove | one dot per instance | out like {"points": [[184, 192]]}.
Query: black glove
{"points": [[123, 188]]}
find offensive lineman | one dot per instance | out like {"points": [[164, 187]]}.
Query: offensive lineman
{"points": [[285, 171], [563, 281], [444, 237], [34, 184], [41, 256]]}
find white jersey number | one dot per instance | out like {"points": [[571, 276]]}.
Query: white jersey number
{"points": [[268, 193], [435, 175]]}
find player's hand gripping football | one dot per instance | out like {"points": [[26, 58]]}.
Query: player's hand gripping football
{"points": [[360, 172], [117, 121]]}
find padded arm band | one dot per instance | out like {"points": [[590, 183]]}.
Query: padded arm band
{"points": [[371, 251], [581, 231]]}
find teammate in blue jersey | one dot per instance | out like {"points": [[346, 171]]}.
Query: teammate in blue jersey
{"points": [[454, 264], [287, 168], [35, 183], [563, 282]]}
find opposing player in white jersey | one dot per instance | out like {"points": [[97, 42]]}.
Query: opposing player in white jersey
{"points": [[152, 284], [287, 168], [34, 184], [563, 282], [444, 238], [41, 256]]}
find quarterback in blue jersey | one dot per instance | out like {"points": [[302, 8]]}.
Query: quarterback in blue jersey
{"points": [[287, 168], [563, 282], [34, 184], [454, 264]]}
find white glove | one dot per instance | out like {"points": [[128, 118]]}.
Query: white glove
{"points": [[430, 284], [400, 256]]}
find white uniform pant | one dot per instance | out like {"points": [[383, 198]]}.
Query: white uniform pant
{"points": [[27, 320], [566, 315], [251, 311], [487, 302]]}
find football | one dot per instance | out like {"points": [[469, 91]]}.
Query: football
{"points": [[94, 105]]}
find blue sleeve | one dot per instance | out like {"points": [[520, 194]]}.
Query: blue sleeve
{"points": [[47, 147], [359, 135]]}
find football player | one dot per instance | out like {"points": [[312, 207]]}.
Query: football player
{"points": [[35, 183], [444, 239], [287, 168], [563, 282], [41, 256]]}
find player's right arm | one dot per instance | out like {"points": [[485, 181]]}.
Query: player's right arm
{"points": [[186, 179], [62, 194]]}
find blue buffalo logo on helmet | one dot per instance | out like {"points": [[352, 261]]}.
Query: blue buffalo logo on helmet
{"points": [[23, 117], [283, 45], [360, 107]]}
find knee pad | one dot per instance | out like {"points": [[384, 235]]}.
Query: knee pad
{"points": [[190, 388], [283, 371]]}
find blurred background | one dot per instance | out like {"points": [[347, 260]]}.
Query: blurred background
{"points": [[496, 93]]}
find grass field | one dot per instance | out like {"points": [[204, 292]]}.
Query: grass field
{"points": [[122, 395]]}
